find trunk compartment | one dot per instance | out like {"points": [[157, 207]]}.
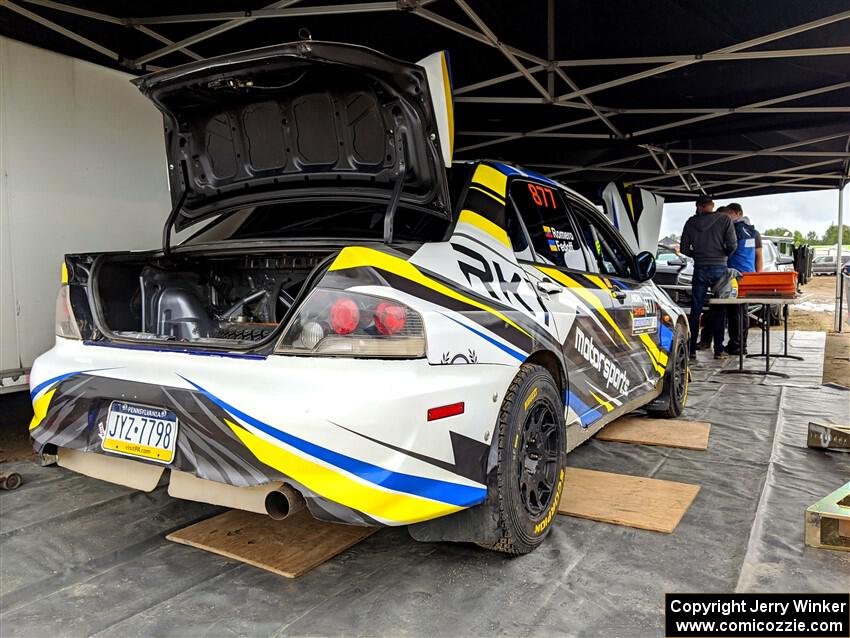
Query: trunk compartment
{"points": [[228, 301]]}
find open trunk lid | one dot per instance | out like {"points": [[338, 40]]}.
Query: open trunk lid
{"points": [[302, 117]]}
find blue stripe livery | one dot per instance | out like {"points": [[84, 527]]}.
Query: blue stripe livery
{"points": [[665, 337], [434, 489], [586, 414]]}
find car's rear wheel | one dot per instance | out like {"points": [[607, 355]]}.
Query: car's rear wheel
{"points": [[672, 401], [526, 487]]}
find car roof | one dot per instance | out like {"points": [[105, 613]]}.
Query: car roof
{"points": [[510, 169]]}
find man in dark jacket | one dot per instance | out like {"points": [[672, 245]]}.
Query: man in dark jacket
{"points": [[709, 238]]}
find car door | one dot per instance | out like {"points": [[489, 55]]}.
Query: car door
{"points": [[546, 246], [549, 248], [633, 338]]}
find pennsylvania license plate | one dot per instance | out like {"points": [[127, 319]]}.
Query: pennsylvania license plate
{"points": [[141, 431]]}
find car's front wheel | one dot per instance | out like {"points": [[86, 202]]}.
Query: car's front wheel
{"points": [[526, 487]]}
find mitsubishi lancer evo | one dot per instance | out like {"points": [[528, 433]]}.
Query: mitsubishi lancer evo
{"points": [[343, 319]]}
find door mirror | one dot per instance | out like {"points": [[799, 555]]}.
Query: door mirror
{"points": [[645, 266], [676, 262], [785, 260]]}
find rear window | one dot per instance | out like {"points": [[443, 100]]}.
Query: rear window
{"points": [[332, 219]]}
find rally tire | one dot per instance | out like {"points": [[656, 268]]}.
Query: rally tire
{"points": [[526, 486], [672, 401]]}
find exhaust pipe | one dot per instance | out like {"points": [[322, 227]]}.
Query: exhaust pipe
{"points": [[283, 502], [277, 499]]}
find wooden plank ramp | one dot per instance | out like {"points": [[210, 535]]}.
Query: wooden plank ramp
{"points": [[633, 501], [289, 548], [690, 435]]}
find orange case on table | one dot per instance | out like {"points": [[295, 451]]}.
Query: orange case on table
{"points": [[768, 284]]}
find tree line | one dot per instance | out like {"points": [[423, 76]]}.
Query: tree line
{"points": [[829, 238]]}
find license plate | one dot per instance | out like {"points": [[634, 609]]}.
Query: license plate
{"points": [[141, 430]]}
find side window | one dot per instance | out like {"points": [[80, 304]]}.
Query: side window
{"points": [[544, 214], [608, 255]]}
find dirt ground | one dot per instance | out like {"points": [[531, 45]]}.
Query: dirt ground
{"points": [[818, 293], [817, 313]]}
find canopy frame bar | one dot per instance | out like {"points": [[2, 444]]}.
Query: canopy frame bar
{"points": [[739, 156], [752, 105], [701, 57], [708, 57], [268, 12], [705, 151], [206, 35], [526, 65], [786, 172], [94, 46], [548, 131], [494, 41], [795, 182], [792, 183], [669, 161], [770, 37], [842, 184]]}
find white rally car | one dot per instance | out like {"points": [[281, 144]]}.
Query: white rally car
{"points": [[352, 322]]}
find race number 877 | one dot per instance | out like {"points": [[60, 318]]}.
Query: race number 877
{"points": [[542, 196]]}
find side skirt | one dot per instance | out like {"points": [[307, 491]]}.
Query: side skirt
{"points": [[576, 435]]}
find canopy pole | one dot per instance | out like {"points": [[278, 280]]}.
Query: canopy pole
{"points": [[838, 258], [550, 48]]}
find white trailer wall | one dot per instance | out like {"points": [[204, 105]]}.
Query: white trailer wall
{"points": [[82, 168]]}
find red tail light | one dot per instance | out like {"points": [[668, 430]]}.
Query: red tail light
{"points": [[390, 318], [445, 410], [345, 316], [354, 324]]}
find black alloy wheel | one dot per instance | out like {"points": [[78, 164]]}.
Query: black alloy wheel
{"points": [[541, 440]]}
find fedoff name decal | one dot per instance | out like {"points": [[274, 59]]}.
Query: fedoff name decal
{"points": [[614, 375]]}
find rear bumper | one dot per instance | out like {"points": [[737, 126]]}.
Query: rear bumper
{"points": [[351, 434]]}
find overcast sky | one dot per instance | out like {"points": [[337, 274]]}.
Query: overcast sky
{"points": [[814, 210]]}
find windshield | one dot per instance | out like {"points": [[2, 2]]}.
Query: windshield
{"points": [[324, 219], [770, 251], [665, 254]]}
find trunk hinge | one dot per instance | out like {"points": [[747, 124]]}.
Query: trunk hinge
{"points": [[396, 194], [172, 216]]}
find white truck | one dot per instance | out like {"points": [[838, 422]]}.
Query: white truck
{"points": [[82, 168]]}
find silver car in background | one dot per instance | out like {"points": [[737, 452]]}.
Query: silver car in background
{"points": [[825, 264]]}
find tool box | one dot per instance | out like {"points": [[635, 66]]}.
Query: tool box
{"points": [[768, 284]]}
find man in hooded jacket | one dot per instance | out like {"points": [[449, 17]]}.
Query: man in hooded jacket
{"points": [[746, 258], [709, 238]]}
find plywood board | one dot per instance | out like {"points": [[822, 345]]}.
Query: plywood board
{"points": [[690, 435], [289, 547], [634, 501]]}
